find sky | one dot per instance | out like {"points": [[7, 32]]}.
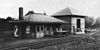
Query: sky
{"points": [[10, 7]]}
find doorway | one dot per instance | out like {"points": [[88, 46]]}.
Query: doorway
{"points": [[78, 23]]}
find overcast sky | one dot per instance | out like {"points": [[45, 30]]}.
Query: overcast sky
{"points": [[10, 7]]}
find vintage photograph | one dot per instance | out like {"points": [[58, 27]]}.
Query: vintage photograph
{"points": [[49, 24]]}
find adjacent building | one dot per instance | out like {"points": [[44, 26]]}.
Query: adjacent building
{"points": [[76, 20]]}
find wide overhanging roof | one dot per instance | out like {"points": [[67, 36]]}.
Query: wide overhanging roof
{"points": [[42, 18]]}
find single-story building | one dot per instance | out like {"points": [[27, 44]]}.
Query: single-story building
{"points": [[36, 25], [76, 20]]}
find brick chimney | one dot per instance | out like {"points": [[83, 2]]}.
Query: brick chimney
{"points": [[20, 13]]}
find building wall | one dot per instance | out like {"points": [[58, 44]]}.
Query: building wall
{"points": [[67, 19], [74, 23], [45, 30], [72, 19]]}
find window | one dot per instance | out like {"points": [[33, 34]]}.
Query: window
{"points": [[48, 28], [28, 29], [39, 28]]}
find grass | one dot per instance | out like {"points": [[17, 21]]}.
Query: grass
{"points": [[86, 42], [83, 42]]}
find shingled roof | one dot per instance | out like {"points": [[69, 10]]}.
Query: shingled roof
{"points": [[68, 11], [41, 18]]}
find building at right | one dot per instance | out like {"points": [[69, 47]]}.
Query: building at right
{"points": [[75, 18]]}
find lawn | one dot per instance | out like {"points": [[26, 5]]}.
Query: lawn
{"points": [[83, 42]]}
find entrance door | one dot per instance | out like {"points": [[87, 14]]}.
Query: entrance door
{"points": [[78, 23]]}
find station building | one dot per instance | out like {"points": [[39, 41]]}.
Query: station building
{"points": [[75, 18], [36, 25]]}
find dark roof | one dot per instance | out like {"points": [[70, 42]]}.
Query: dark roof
{"points": [[68, 11]]}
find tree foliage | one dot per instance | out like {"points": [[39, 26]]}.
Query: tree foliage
{"points": [[9, 18], [89, 21]]}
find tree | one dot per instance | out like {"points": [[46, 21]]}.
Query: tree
{"points": [[9, 18], [88, 22]]}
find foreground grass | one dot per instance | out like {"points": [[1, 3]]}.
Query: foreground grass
{"points": [[86, 42], [82, 42]]}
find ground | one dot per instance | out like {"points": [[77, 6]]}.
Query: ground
{"points": [[81, 42], [86, 42]]}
